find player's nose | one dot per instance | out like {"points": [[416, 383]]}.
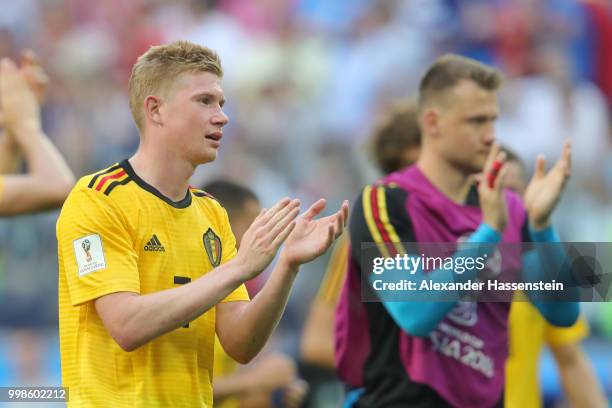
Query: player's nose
{"points": [[489, 136], [220, 119]]}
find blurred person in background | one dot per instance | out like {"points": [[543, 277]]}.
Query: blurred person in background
{"points": [[529, 332], [48, 179], [396, 346], [153, 263], [44, 186], [271, 375], [394, 145]]}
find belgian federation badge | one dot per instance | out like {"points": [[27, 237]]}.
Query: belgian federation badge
{"points": [[212, 244]]}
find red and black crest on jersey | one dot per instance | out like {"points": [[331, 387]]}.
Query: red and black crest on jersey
{"points": [[212, 245]]}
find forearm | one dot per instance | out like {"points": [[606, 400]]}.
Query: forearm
{"points": [[258, 318], [580, 383], [133, 320], [420, 318], [233, 385], [549, 260], [317, 345], [47, 182], [9, 154], [42, 157]]}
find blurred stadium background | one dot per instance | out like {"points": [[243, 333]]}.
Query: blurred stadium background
{"points": [[305, 81]]}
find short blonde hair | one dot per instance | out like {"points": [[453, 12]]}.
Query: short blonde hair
{"points": [[449, 69], [158, 68]]}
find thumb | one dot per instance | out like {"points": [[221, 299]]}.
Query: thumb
{"points": [[540, 168], [314, 209], [29, 57]]}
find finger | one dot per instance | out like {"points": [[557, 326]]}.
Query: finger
{"points": [[314, 209], [257, 220], [282, 213], [35, 75], [279, 226], [495, 149], [330, 235], [269, 213], [478, 178], [565, 161], [8, 71], [495, 168], [9, 74], [280, 238], [338, 225], [8, 64], [32, 69], [540, 167], [500, 183], [10, 80], [29, 57], [345, 210]]}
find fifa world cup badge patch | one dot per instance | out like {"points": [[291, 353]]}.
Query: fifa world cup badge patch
{"points": [[89, 254], [212, 244]]}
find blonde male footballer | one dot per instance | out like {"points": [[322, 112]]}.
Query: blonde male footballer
{"points": [[148, 267]]}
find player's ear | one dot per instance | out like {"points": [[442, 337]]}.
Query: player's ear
{"points": [[430, 121], [152, 105]]}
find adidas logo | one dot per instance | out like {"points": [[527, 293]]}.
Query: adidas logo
{"points": [[154, 245]]}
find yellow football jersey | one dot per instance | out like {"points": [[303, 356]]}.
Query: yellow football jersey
{"points": [[528, 333], [224, 366], [116, 233]]}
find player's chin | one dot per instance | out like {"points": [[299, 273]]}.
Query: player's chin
{"points": [[477, 163], [207, 156], [472, 167]]}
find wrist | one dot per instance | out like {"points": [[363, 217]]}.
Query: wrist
{"points": [[249, 381], [244, 270], [8, 141], [26, 131], [487, 233], [287, 264], [498, 227], [547, 234], [539, 225]]}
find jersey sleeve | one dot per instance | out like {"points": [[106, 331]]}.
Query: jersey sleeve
{"points": [[379, 216], [228, 244], [558, 336], [95, 248], [329, 292]]}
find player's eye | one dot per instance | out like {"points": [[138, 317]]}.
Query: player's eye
{"points": [[479, 120], [205, 100]]}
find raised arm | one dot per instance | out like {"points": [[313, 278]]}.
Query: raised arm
{"points": [[244, 327], [541, 198], [48, 179]]}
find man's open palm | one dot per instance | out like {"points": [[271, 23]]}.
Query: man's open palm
{"points": [[311, 237], [544, 189]]}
